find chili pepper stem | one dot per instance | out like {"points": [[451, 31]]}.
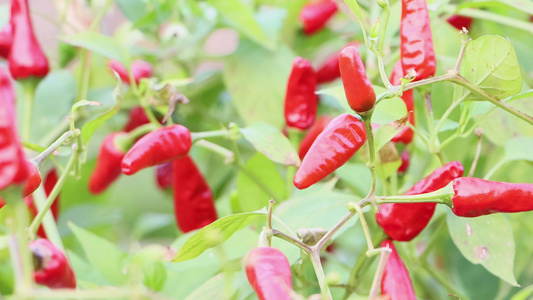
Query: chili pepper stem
{"points": [[209, 134], [354, 207], [319, 271], [442, 196], [28, 85], [367, 119], [322, 242], [383, 257], [291, 240], [53, 147]]}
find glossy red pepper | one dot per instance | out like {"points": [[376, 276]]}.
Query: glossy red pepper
{"points": [[194, 206], [337, 143], [416, 42], [315, 14], [460, 21], [26, 57], [137, 117], [139, 68], [49, 183], [404, 221], [329, 69], [164, 176], [108, 164], [6, 39], [53, 268], [13, 168], [475, 197], [269, 273], [157, 147], [34, 179], [405, 161], [406, 134], [396, 282], [300, 99], [357, 87], [312, 134]]}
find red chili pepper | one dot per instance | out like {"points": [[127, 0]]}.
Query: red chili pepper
{"points": [[53, 269], [329, 69], [315, 14], [49, 183], [312, 134], [108, 164], [405, 161], [194, 206], [357, 87], [406, 134], [6, 39], [26, 57], [34, 179], [416, 42], [337, 143], [460, 21], [13, 168], [300, 99], [139, 68], [404, 221], [157, 147], [164, 176], [396, 282], [475, 197], [269, 273], [137, 117]]}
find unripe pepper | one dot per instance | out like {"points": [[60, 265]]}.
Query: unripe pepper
{"points": [[460, 21], [139, 68], [26, 57], [406, 134], [404, 221], [396, 282], [53, 269], [416, 42], [6, 39], [475, 197], [269, 273], [312, 134], [157, 147], [315, 14], [194, 206], [300, 99], [34, 179], [164, 176], [108, 164], [337, 143], [13, 168], [357, 87]]}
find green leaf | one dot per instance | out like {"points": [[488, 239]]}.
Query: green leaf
{"points": [[518, 148], [215, 234], [361, 183], [103, 255], [211, 289], [241, 17], [134, 10], [388, 131], [486, 240], [272, 143], [252, 197], [101, 44], [524, 294], [387, 161], [490, 62]]}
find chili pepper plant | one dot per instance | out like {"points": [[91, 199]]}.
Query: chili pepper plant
{"points": [[268, 149]]}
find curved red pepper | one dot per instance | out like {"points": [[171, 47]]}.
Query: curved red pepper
{"points": [[26, 57], [300, 99], [157, 147], [405, 161], [477, 197], [108, 164], [6, 39], [194, 206], [357, 87], [396, 282], [337, 143], [53, 270], [460, 21], [416, 42], [404, 221], [13, 168], [49, 182], [312, 134], [164, 176], [269, 273], [34, 179], [315, 14], [406, 134], [139, 68]]}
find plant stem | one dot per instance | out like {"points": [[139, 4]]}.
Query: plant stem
{"points": [[209, 134], [367, 118], [442, 280], [383, 257], [291, 240], [320, 244], [319, 271], [384, 22], [354, 207], [53, 147], [28, 86], [435, 132], [442, 196], [493, 17], [85, 73], [479, 134]]}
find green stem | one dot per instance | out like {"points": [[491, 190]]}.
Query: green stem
{"points": [[436, 130], [48, 222], [367, 118], [319, 271], [384, 256], [227, 154], [320, 244], [442, 280], [493, 17], [85, 73], [442, 196], [382, 31], [28, 86], [209, 134], [48, 151], [291, 240], [354, 207]]}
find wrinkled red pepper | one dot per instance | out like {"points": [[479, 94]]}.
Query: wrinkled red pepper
{"points": [[416, 42], [406, 134], [34, 179], [157, 147], [269, 273], [49, 182], [475, 197], [13, 168], [139, 68], [164, 176], [357, 87], [108, 164], [53, 268], [404, 221], [194, 206], [312, 134], [300, 99], [6, 39], [315, 14], [337, 143], [396, 282], [26, 56], [405, 161], [460, 21]]}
